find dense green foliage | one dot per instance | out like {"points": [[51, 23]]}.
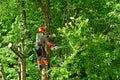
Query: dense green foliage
{"points": [[89, 30]]}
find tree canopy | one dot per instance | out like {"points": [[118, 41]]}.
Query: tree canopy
{"points": [[87, 30]]}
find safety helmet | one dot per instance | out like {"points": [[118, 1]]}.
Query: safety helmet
{"points": [[42, 29]]}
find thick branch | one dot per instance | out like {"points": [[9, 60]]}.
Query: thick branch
{"points": [[10, 45], [22, 45], [23, 14], [47, 6], [41, 6], [47, 20], [45, 11]]}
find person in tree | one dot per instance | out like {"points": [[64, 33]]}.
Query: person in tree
{"points": [[41, 41]]}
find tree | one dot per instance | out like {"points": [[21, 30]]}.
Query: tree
{"points": [[20, 52], [45, 10], [88, 32], [96, 61]]}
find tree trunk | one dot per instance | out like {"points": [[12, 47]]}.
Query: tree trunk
{"points": [[45, 9], [18, 70], [44, 75], [3, 73], [19, 73], [22, 5], [22, 59], [20, 52], [23, 69], [19, 67]]}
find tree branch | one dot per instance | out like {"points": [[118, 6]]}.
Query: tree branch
{"points": [[45, 11], [23, 14], [47, 6], [10, 45], [41, 6]]}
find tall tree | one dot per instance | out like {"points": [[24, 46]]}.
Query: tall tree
{"points": [[21, 53], [45, 10]]}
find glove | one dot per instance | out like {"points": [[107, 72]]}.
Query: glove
{"points": [[53, 35], [54, 48]]}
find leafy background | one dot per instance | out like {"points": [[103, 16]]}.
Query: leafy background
{"points": [[88, 30]]}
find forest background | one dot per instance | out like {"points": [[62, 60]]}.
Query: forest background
{"points": [[89, 30]]}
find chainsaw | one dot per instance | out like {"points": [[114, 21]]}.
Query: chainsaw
{"points": [[57, 47]]}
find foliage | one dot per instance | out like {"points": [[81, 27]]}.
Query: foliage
{"points": [[87, 30]]}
